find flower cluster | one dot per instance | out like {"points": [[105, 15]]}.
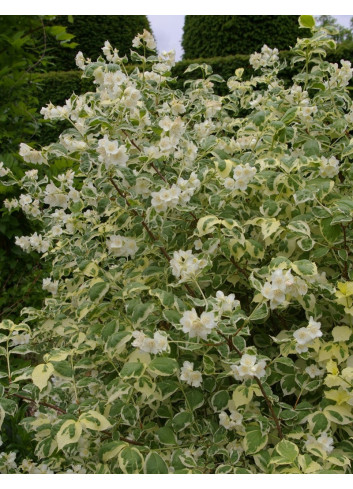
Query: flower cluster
{"points": [[50, 286], [242, 176], [198, 326], [226, 303], [186, 266], [281, 284], [329, 168], [248, 368], [267, 58], [34, 242], [121, 245], [340, 76], [144, 38], [31, 155], [3, 171], [231, 421], [177, 194], [324, 442], [111, 153], [304, 337], [154, 345], [189, 375]]}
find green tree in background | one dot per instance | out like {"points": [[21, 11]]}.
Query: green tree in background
{"points": [[221, 35], [91, 31], [343, 34]]}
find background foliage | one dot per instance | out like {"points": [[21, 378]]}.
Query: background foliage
{"points": [[206, 36], [91, 31]]}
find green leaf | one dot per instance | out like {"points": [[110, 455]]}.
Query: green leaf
{"points": [[63, 368], [306, 21], [130, 460], [70, 432], [110, 450], [8, 406], [259, 313], [181, 420], [284, 365], [311, 148], [290, 115], [287, 450], [141, 312], [132, 370], [254, 440], [41, 374], [194, 399], [219, 400], [304, 268], [98, 290], [330, 232], [154, 464], [166, 436], [163, 366], [130, 414], [94, 421]]}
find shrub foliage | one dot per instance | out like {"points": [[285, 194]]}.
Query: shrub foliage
{"points": [[199, 309]]}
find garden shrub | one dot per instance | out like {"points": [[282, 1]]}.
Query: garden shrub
{"points": [[199, 308]]}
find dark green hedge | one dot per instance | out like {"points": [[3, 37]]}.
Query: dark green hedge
{"points": [[91, 31], [207, 36]]}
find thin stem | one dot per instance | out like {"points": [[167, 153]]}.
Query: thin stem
{"points": [[270, 407]]}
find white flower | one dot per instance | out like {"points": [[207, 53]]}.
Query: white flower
{"points": [[31, 155], [147, 38], [11, 204], [324, 443], [80, 60], [197, 326], [54, 197], [329, 168], [32, 174], [111, 153], [23, 242], [20, 339], [154, 345], [302, 336], [189, 375], [3, 171], [56, 230], [166, 198], [50, 286], [242, 175], [122, 246], [231, 421], [8, 460], [267, 58], [313, 371], [198, 244], [226, 303], [314, 328], [249, 368], [185, 265]]}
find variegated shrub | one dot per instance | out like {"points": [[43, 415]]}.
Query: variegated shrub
{"points": [[199, 310]]}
